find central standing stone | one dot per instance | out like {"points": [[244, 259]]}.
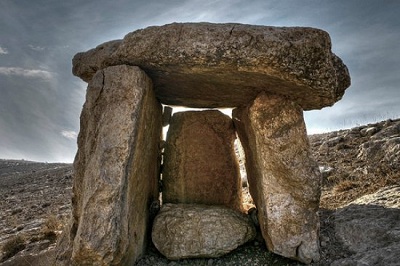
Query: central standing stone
{"points": [[200, 165]]}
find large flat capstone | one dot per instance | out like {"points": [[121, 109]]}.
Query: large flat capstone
{"points": [[227, 65]]}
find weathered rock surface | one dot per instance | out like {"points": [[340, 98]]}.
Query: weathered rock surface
{"points": [[365, 159], [195, 231], [284, 181], [227, 65], [95, 57], [115, 170], [200, 165], [387, 149], [370, 227]]}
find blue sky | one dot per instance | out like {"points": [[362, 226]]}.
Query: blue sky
{"points": [[40, 100]]}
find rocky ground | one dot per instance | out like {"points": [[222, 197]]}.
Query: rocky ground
{"points": [[34, 203], [360, 205]]}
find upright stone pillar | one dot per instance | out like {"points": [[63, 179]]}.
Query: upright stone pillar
{"points": [[200, 165], [115, 170], [284, 181]]}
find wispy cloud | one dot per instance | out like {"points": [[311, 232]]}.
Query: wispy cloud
{"points": [[29, 73], [3, 50], [69, 134], [37, 48]]}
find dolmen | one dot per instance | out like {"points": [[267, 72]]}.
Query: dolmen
{"points": [[268, 75]]}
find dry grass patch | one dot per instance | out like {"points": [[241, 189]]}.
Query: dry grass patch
{"points": [[345, 185], [51, 226], [12, 247], [344, 188]]}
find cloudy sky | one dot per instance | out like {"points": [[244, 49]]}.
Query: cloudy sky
{"points": [[40, 100]]}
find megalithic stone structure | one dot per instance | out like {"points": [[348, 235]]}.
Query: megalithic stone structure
{"points": [[116, 170], [269, 74], [284, 180]]}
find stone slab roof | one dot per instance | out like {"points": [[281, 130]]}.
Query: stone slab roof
{"points": [[227, 65]]}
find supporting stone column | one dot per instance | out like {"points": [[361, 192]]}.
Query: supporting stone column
{"points": [[115, 170], [284, 181], [200, 165]]}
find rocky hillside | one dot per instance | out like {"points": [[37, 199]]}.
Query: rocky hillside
{"points": [[357, 161], [360, 201], [360, 205]]}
